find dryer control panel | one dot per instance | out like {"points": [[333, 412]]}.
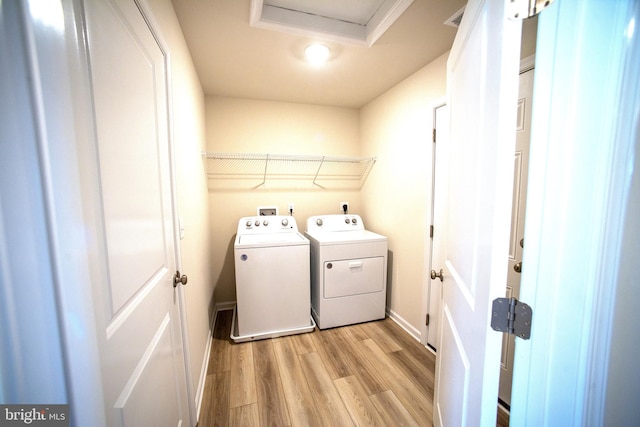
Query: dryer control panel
{"points": [[337, 222], [267, 224]]}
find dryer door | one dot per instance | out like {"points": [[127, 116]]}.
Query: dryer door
{"points": [[353, 277]]}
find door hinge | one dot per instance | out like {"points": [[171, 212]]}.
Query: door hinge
{"points": [[523, 9], [426, 321], [431, 231], [434, 135], [511, 316]]}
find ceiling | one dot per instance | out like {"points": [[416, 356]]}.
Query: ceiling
{"points": [[234, 59]]}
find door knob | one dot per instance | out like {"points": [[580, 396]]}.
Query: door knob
{"points": [[177, 278], [518, 267], [439, 274]]}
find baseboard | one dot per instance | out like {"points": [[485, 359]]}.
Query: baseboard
{"points": [[222, 306], [415, 333], [205, 363], [203, 372]]}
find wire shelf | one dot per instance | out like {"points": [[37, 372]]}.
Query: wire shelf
{"points": [[252, 171]]}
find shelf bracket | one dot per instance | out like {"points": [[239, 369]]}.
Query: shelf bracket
{"points": [[318, 171], [264, 176]]}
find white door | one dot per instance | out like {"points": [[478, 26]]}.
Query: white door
{"points": [[440, 174], [482, 92], [516, 241], [139, 330]]}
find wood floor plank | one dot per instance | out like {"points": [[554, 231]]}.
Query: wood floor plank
{"points": [[272, 407], [419, 374], [221, 398], [245, 416], [215, 411], [302, 410], [206, 415], [386, 342], [391, 409], [368, 374], [357, 402], [243, 379], [220, 354], [409, 343], [330, 407], [303, 343], [356, 332], [329, 345], [419, 406]]}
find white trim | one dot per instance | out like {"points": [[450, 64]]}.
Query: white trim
{"points": [[429, 220], [381, 23], [222, 306], [203, 371], [299, 23], [404, 324]]}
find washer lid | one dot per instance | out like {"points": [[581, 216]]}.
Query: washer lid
{"points": [[275, 238]]}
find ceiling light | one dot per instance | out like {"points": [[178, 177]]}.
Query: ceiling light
{"points": [[317, 53]]}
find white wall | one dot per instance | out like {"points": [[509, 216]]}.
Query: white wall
{"points": [[253, 126], [187, 104], [397, 128]]}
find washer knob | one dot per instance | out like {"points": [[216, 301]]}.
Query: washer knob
{"points": [[257, 222], [265, 222], [319, 222], [346, 220], [285, 222], [249, 223], [354, 220]]}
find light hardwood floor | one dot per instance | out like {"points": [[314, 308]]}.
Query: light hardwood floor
{"points": [[372, 374]]}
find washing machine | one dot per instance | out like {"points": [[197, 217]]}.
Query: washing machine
{"points": [[272, 279], [348, 271]]}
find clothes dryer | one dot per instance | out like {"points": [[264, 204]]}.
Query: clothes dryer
{"points": [[272, 279], [348, 271]]}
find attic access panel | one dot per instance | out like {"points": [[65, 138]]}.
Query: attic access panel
{"points": [[360, 22]]}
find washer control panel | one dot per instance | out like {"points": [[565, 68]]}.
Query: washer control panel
{"points": [[267, 224], [337, 222]]}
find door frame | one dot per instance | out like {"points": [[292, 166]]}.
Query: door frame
{"points": [[428, 241]]}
